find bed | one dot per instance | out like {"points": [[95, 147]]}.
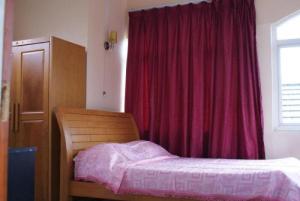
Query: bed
{"points": [[82, 130]]}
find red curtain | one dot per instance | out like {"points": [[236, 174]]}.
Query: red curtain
{"points": [[192, 79]]}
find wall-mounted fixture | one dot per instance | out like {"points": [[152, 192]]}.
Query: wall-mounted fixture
{"points": [[112, 40]]}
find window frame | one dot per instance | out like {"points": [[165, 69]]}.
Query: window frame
{"points": [[278, 125]]}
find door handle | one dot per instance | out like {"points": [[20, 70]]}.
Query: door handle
{"points": [[17, 117], [13, 118]]}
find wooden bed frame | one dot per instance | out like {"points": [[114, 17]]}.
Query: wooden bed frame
{"points": [[81, 129]]}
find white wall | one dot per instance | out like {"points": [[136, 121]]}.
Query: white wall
{"points": [[278, 144], [67, 19], [88, 21], [85, 22], [106, 68], [146, 4]]}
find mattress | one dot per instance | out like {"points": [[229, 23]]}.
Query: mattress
{"points": [[144, 168]]}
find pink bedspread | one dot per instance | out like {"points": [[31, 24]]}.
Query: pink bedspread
{"points": [[144, 168]]}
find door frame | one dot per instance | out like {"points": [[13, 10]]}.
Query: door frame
{"points": [[5, 69]]}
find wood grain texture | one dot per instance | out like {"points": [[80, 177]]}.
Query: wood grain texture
{"points": [[6, 72], [33, 133], [3, 159], [81, 129], [73, 122], [48, 72], [67, 89], [30, 107], [32, 80], [85, 189], [68, 74]]}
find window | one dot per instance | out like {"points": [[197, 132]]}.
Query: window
{"points": [[286, 54]]}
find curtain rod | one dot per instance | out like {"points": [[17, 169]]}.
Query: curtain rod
{"points": [[169, 5]]}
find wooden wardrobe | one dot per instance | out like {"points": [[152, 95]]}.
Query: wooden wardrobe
{"points": [[47, 73]]}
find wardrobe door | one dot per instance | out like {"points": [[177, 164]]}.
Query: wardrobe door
{"points": [[31, 108], [13, 101]]}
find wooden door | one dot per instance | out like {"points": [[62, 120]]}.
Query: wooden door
{"points": [[5, 71], [29, 103], [12, 107]]}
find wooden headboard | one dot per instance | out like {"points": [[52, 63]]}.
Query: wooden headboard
{"points": [[81, 129]]}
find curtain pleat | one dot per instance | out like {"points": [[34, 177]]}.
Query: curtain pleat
{"points": [[193, 81]]}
